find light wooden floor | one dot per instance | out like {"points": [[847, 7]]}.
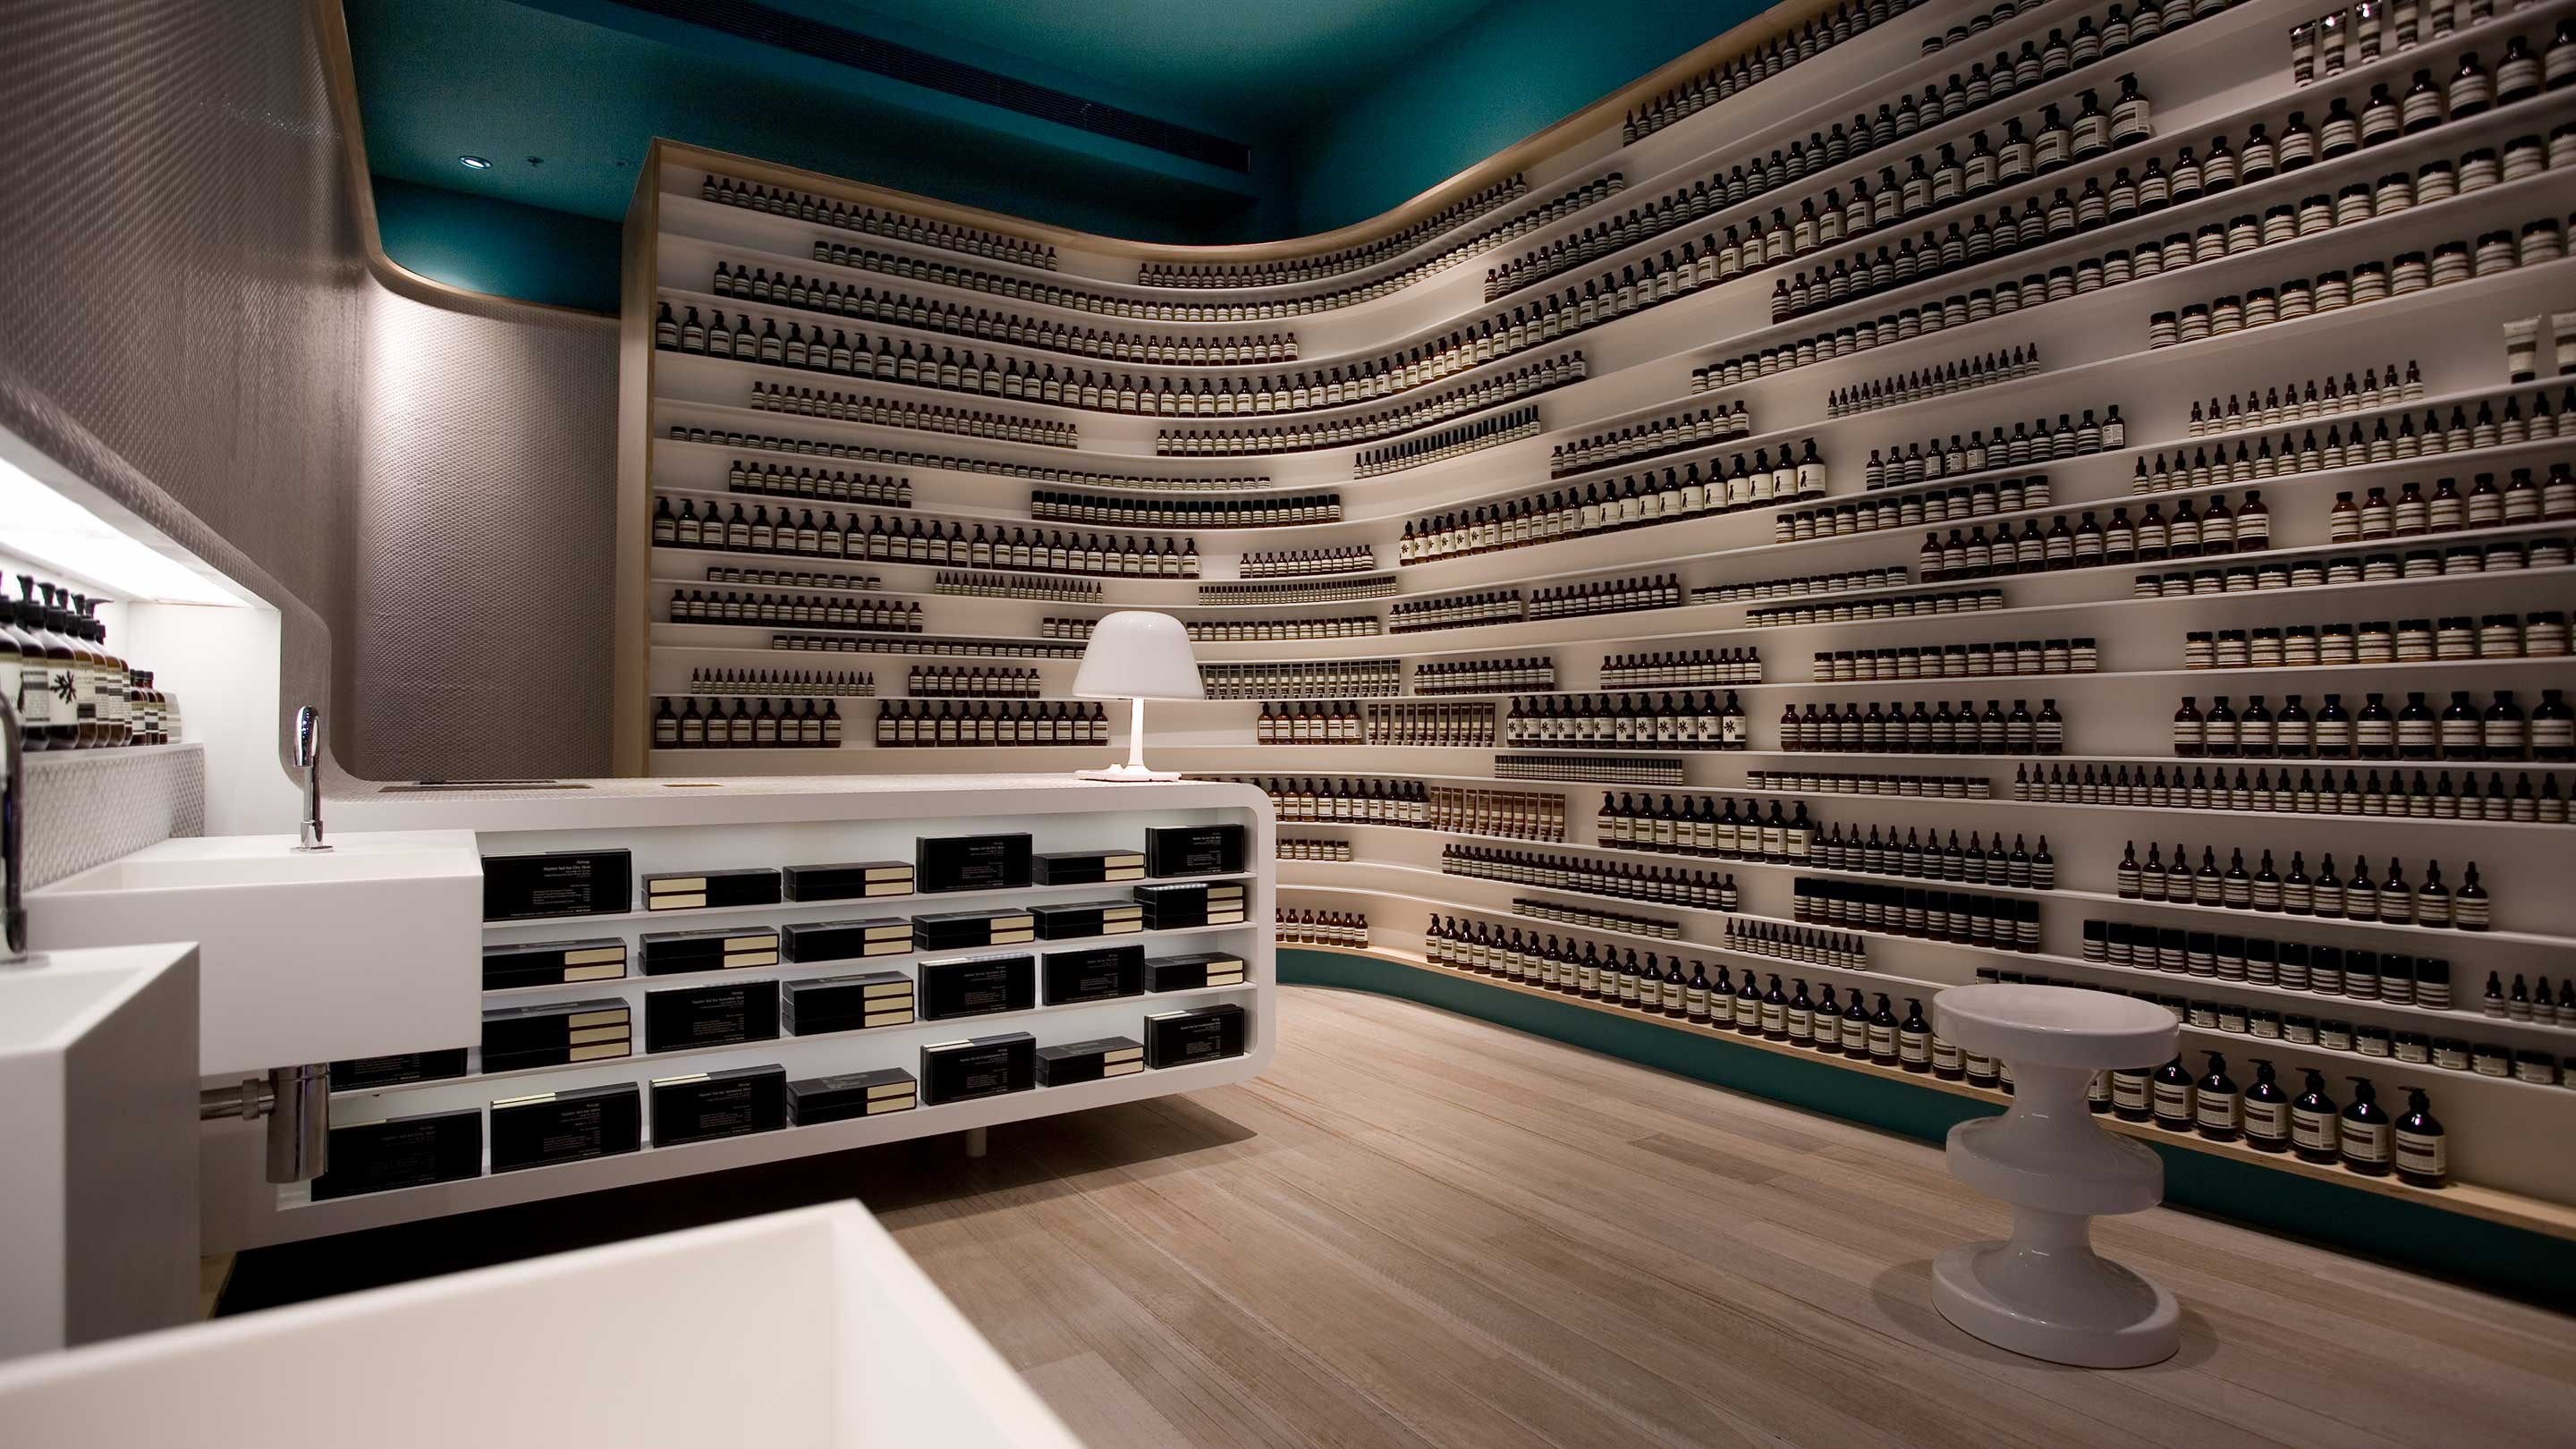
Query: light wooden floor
{"points": [[1421, 1230]]}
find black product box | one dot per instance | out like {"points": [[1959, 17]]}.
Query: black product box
{"points": [[700, 890], [557, 883], [1089, 1061], [1200, 1034], [817, 1100], [973, 930], [849, 940], [545, 1128], [1073, 920], [556, 1033], [978, 985], [1088, 867], [1194, 850], [685, 1018], [970, 863], [402, 1152], [983, 1066], [854, 881], [553, 963], [360, 1074], [724, 949], [1189, 973], [706, 1105], [1099, 973], [845, 1003], [1177, 907]]}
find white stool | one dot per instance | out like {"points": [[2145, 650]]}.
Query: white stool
{"points": [[2044, 1293]]}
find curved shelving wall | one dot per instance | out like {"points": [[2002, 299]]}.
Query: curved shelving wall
{"points": [[1343, 472]]}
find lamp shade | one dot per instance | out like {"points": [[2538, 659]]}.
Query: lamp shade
{"points": [[1134, 654]]}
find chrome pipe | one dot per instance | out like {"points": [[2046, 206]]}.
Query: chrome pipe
{"points": [[308, 758]]}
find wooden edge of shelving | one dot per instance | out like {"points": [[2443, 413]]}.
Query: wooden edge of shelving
{"points": [[2514, 1210]]}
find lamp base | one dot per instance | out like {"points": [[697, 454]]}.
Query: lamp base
{"points": [[1128, 773]]}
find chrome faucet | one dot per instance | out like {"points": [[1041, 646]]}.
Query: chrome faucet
{"points": [[308, 758], [13, 833]]}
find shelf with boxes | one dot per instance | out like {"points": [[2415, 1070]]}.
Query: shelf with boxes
{"points": [[749, 973], [1899, 367]]}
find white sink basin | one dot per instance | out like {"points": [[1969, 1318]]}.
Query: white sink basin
{"points": [[367, 949]]}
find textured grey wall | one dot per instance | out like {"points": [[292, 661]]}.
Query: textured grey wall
{"points": [[191, 326], [488, 495]]}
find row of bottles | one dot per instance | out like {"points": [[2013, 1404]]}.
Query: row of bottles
{"points": [[1563, 914], [2033, 442], [1458, 726], [1607, 596], [1051, 506], [843, 407], [1958, 661], [1261, 592], [2308, 571], [1648, 439], [2413, 513], [1356, 558], [2326, 895], [831, 485], [1668, 885], [2360, 1136], [1927, 729], [923, 541], [787, 683], [2494, 253], [902, 723], [1046, 588], [1759, 63], [1341, 801], [1876, 606], [1704, 826], [2396, 977], [1338, 851], [1846, 581], [70, 691], [2306, 794], [2450, 639], [1485, 432], [1628, 721], [1949, 378], [1913, 510], [1345, 626], [1413, 413], [1824, 782], [2022, 867], [972, 681], [893, 309], [2413, 731], [1324, 679], [805, 206], [2317, 397], [1994, 923], [1455, 611], [689, 723], [1484, 676], [707, 606], [1734, 665], [1232, 275], [2484, 506], [1608, 505], [1320, 928], [2091, 543]]}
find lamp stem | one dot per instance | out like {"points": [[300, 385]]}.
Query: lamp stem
{"points": [[1136, 735]]}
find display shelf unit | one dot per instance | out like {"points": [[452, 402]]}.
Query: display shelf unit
{"points": [[771, 821], [2215, 76]]}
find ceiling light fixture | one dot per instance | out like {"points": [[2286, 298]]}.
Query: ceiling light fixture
{"points": [[474, 163]]}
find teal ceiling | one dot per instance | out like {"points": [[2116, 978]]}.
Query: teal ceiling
{"points": [[1343, 106]]}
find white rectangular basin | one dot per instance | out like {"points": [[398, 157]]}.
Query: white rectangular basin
{"points": [[98, 1064], [369, 948]]}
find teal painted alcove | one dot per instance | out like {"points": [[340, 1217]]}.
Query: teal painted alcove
{"points": [[2509, 1261]]}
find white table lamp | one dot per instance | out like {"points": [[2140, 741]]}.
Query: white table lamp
{"points": [[1135, 655]]}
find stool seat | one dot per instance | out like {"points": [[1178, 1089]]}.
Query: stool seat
{"points": [[2056, 1026], [2044, 1292]]}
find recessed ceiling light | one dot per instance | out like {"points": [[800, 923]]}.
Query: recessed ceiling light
{"points": [[476, 163]]}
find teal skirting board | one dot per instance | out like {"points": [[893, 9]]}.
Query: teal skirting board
{"points": [[2507, 1260]]}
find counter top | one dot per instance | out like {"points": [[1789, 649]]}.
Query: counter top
{"points": [[752, 799]]}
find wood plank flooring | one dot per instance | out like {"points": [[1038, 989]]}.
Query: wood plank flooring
{"points": [[1419, 1230]]}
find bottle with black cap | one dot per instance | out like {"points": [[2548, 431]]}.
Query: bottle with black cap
{"points": [[2422, 1149], [1882, 1035], [2218, 1112], [2266, 1111], [2133, 1094], [2314, 1135], [2173, 1097], [2366, 1142]]}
